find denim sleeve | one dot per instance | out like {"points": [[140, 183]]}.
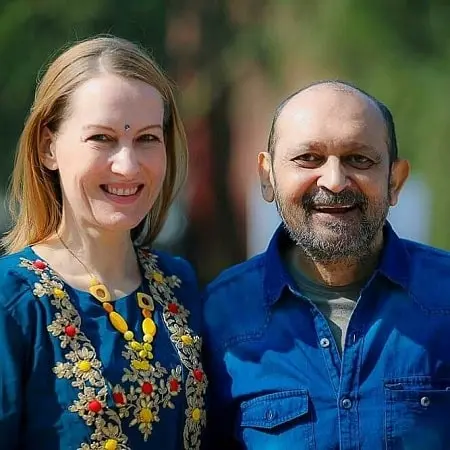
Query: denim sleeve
{"points": [[12, 351]]}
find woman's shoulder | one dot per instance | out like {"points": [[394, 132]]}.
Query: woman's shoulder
{"points": [[168, 264], [17, 278], [172, 274]]}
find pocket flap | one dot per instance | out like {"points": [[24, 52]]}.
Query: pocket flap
{"points": [[271, 410]]}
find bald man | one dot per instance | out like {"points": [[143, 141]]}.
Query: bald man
{"points": [[337, 337]]}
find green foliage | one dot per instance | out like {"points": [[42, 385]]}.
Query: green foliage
{"points": [[31, 32]]}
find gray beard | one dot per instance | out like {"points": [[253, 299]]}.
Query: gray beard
{"points": [[347, 243]]}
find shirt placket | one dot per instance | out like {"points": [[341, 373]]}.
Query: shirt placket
{"points": [[343, 373]]}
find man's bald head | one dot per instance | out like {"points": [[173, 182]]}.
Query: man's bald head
{"points": [[343, 87]]}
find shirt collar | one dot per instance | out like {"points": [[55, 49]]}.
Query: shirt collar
{"points": [[394, 263]]}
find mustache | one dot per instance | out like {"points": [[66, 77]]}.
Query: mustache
{"points": [[323, 197]]}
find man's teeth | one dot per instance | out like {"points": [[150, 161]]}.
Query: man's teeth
{"points": [[334, 207], [120, 191]]}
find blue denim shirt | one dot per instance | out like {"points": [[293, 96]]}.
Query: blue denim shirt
{"points": [[279, 382]]}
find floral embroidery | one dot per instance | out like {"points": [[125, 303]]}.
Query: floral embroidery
{"points": [[151, 386], [189, 350]]}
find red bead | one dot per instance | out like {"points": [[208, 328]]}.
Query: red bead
{"points": [[119, 398], [95, 406], [198, 374], [70, 331], [38, 264], [147, 388], [173, 308], [174, 385]]}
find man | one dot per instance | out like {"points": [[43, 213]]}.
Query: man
{"points": [[337, 337]]}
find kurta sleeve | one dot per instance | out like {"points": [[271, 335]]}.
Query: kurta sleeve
{"points": [[12, 354]]}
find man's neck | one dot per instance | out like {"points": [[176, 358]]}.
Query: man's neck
{"points": [[339, 273]]}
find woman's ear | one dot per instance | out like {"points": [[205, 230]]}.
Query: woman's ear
{"points": [[47, 150]]}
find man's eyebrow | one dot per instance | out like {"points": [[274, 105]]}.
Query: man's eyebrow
{"points": [[309, 146], [359, 146]]}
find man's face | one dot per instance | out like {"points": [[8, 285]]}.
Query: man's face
{"points": [[330, 174]]}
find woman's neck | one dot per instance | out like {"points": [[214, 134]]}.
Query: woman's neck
{"points": [[80, 254]]}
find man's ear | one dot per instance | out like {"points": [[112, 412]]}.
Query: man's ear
{"points": [[47, 150], [266, 176], [399, 175]]}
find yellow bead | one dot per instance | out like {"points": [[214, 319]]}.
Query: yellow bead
{"points": [[196, 414], [147, 347], [145, 415], [84, 366], [144, 366], [128, 335], [143, 354], [118, 322], [158, 277], [111, 444], [149, 355], [58, 293], [136, 346], [148, 326], [148, 338], [186, 339]]}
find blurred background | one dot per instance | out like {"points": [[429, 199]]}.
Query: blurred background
{"points": [[233, 62]]}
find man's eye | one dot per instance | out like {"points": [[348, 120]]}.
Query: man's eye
{"points": [[309, 160], [359, 161], [309, 157]]}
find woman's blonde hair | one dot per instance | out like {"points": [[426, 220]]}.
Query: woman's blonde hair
{"points": [[35, 193]]}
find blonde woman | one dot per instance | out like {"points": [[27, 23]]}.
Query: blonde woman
{"points": [[99, 345]]}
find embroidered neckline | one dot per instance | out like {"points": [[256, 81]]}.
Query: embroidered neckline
{"points": [[145, 388]]}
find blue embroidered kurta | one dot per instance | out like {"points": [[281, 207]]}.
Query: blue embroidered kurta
{"points": [[69, 380]]}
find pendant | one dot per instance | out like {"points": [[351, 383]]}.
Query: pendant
{"points": [[145, 301], [99, 291]]}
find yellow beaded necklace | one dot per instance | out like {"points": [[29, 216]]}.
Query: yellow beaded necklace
{"points": [[101, 293]]}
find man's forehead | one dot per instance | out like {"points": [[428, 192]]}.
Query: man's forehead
{"points": [[328, 99], [321, 108]]}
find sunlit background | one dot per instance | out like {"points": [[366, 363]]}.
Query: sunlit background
{"points": [[233, 62]]}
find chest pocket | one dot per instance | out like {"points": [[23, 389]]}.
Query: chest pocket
{"points": [[277, 421], [417, 415]]}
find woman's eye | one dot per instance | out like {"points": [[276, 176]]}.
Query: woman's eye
{"points": [[100, 138], [149, 138]]}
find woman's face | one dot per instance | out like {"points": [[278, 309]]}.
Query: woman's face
{"points": [[110, 153]]}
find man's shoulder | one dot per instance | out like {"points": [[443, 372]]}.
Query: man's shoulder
{"points": [[238, 275], [429, 277], [233, 303], [426, 256]]}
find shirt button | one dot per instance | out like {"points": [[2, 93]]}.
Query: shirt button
{"points": [[346, 403], [425, 401], [324, 342]]}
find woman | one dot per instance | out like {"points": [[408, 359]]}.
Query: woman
{"points": [[98, 343]]}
